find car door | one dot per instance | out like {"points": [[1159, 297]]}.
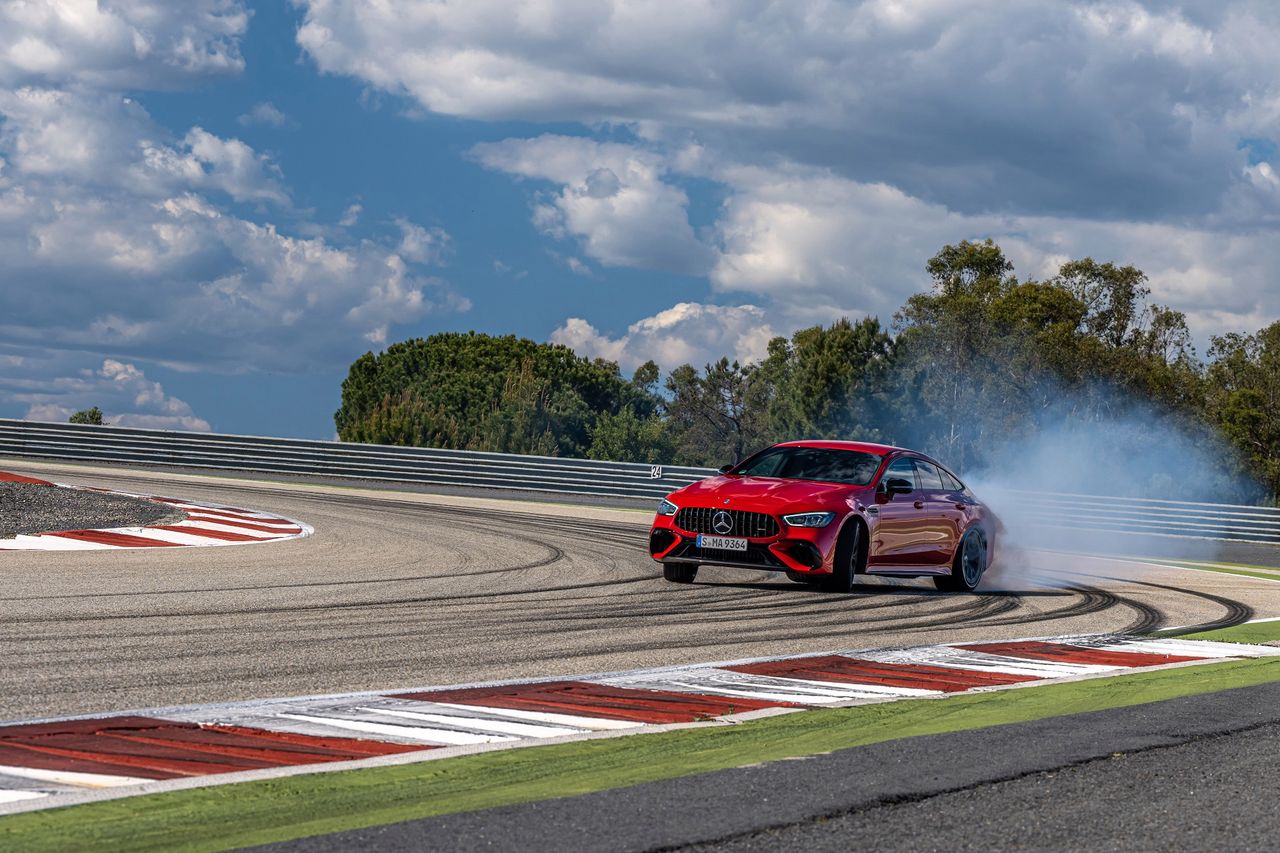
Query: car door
{"points": [[896, 540], [942, 531], [956, 505]]}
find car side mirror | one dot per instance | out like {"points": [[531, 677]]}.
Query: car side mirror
{"points": [[725, 469], [898, 486]]}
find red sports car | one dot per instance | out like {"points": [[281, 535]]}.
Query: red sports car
{"points": [[825, 512]]}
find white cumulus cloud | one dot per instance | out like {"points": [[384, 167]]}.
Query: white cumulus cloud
{"points": [[687, 333], [610, 197], [120, 389]]}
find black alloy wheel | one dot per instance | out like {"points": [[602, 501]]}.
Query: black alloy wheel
{"points": [[967, 567]]}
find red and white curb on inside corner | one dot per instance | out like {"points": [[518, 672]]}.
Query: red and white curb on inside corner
{"points": [[45, 763], [206, 524]]}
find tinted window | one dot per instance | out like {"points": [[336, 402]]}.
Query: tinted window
{"points": [[929, 479], [950, 483], [901, 469], [813, 463]]}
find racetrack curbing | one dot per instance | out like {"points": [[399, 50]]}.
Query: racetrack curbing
{"points": [[48, 763], [206, 524]]}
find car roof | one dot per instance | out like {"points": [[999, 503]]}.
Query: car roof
{"points": [[863, 446]]}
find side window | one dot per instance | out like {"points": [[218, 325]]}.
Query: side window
{"points": [[903, 469], [949, 482], [929, 479]]}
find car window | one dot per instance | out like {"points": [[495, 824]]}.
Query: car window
{"points": [[901, 469], [929, 479], [949, 482], [812, 463]]}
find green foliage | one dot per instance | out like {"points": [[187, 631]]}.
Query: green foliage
{"points": [[991, 359], [826, 381], [87, 416], [718, 415], [627, 437], [477, 392], [1244, 397]]}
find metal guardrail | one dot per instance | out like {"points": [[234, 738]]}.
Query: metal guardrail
{"points": [[553, 475], [462, 468], [1139, 516]]}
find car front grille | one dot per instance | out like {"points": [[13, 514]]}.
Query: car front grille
{"points": [[757, 525]]}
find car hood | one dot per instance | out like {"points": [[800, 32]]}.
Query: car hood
{"points": [[764, 494]]}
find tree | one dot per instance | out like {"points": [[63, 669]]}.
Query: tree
{"points": [[824, 381], [945, 340], [984, 359], [478, 392], [87, 416], [712, 415], [626, 437], [1244, 383]]}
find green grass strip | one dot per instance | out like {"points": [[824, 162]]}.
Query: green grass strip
{"points": [[229, 816], [1254, 633]]}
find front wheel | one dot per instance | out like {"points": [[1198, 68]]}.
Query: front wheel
{"points": [[967, 567], [850, 550], [679, 572]]}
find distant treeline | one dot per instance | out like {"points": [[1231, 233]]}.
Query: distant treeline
{"points": [[967, 369]]}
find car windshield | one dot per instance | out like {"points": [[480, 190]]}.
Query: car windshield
{"points": [[853, 467]]}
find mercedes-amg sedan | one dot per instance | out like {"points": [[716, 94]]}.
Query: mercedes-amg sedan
{"points": [[825, 512]]}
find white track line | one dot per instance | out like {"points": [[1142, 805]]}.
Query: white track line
{"points": [[573, 720], [49, 542], [952, 658], [67, 777], [1194, 648], [225, 528], [418, 733], [501, 727]]}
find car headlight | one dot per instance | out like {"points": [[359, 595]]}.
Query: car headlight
{"points": [[809, 519], [666, 507]]}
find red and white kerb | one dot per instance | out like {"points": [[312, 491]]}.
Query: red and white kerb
{"points": [[206, 524]]}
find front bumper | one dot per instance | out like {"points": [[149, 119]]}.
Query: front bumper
{"points": [[797, 549]]}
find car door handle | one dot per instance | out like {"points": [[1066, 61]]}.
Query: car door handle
{"points": [[919, 504]]}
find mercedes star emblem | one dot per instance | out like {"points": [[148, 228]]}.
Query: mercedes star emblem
{"points": [[722, 522]]}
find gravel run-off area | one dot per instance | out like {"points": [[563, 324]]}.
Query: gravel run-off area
{"points": [[26, 508]]}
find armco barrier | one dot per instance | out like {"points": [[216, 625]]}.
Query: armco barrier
{"points": [[424, 466], [503, 471]]}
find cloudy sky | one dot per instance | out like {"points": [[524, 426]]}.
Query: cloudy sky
{"points": [[209, 208]]}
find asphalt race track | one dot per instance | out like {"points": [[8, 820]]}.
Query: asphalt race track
{"points": [[406, 590]]}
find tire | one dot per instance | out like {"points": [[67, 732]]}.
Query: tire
{"points": [[968, 565], [849, 555], [679, 572]]}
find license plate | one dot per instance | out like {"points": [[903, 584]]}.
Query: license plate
{"points": [[723, 543]]}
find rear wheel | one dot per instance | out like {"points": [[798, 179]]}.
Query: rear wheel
{"points": [[679, 572], [967, 567], [849, 555]]}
